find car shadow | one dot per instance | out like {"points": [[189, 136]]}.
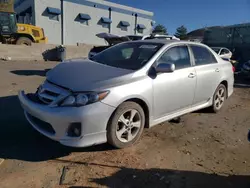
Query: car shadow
{"points": [[127, 177], [18, 140], [30, 72], [167, 178], [204, 111]]}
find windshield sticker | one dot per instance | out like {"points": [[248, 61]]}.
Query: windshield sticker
{"points": [[148, 46]]}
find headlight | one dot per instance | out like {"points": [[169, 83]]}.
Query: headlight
{"points": [[82, 99]]}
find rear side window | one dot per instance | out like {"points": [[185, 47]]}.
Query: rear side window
{"points": [[178, 55], [202, 56]]}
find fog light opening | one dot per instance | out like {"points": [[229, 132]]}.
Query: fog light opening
{"points": [[75, 130]]}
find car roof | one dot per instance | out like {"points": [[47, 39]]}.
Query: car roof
{"points": [[168, 42]]}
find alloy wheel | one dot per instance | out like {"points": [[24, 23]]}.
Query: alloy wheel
{"points": [[219, 98], [128, 125]]}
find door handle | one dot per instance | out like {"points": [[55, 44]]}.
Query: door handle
{"points": [[191, 75], [217, 70]]}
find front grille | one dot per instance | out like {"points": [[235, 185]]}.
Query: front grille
{"points": [[34, 98], [47, 96], [51, 93], [41, 124]]}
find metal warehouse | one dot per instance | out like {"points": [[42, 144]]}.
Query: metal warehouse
{"points": [[78, 21]]}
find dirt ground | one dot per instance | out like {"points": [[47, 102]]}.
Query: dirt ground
{"points": [[204, 150]]}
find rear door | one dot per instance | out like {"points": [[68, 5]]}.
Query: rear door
{"points": [[208, 73]]}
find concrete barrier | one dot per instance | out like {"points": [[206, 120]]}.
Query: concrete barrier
{"points": [[39, 51]]}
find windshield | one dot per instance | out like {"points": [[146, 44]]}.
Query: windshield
{"points": [[130, 55], [7, 22], [6, 17]]}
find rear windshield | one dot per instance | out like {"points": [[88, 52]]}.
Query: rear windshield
{"points": [[130, 55]]}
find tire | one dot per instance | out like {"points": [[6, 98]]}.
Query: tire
{"points": [[24, 41], [215, 107], [123, 131]]}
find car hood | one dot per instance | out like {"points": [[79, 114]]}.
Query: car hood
{"points": [[85, 75]]}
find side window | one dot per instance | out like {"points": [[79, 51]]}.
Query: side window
{"points": [[127, 52], [224, 51], [177, 55], [202, 56]]}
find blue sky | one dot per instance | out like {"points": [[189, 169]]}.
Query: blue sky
{"points": [[194, 13]]}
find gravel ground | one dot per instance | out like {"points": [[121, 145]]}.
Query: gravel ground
{"points": [[204, 150]]}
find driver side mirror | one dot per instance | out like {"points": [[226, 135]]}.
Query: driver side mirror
{"points": [[165, 67]]}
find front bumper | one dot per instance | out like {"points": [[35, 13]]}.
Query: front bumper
{"points": [[93, 119]]}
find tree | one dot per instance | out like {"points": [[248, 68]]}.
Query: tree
{"points": [[181, 32], [160, 29]]}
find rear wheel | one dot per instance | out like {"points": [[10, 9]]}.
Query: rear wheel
{"points": [[126, 125], [24, 41], [219, 98]]}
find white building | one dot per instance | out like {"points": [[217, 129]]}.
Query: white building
{"points": [[78, 21]]}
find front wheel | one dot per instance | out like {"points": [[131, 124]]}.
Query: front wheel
{"points": [[126, 125], [24, 41], [219, 98]]}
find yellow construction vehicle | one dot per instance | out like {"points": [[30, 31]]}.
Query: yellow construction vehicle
{"points": [[13, 33]]}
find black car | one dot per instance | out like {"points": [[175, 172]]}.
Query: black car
{"points": [[110, 39], [114, 39]]}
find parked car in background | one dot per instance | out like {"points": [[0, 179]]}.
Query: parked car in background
{"points": [[120, 91], [134, 37], [114, 39], [152, 36], [223, 52], [159, 36], [110, 39], [245, 69]]}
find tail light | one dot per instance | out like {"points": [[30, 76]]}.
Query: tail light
{"points": [[233, 68]]}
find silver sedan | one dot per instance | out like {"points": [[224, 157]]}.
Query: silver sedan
{"points": [[115, 95]]}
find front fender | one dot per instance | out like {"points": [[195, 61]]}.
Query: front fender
{"points": [[141, 89]]}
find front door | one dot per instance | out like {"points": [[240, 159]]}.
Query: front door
{"points": [[174, 91]]}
